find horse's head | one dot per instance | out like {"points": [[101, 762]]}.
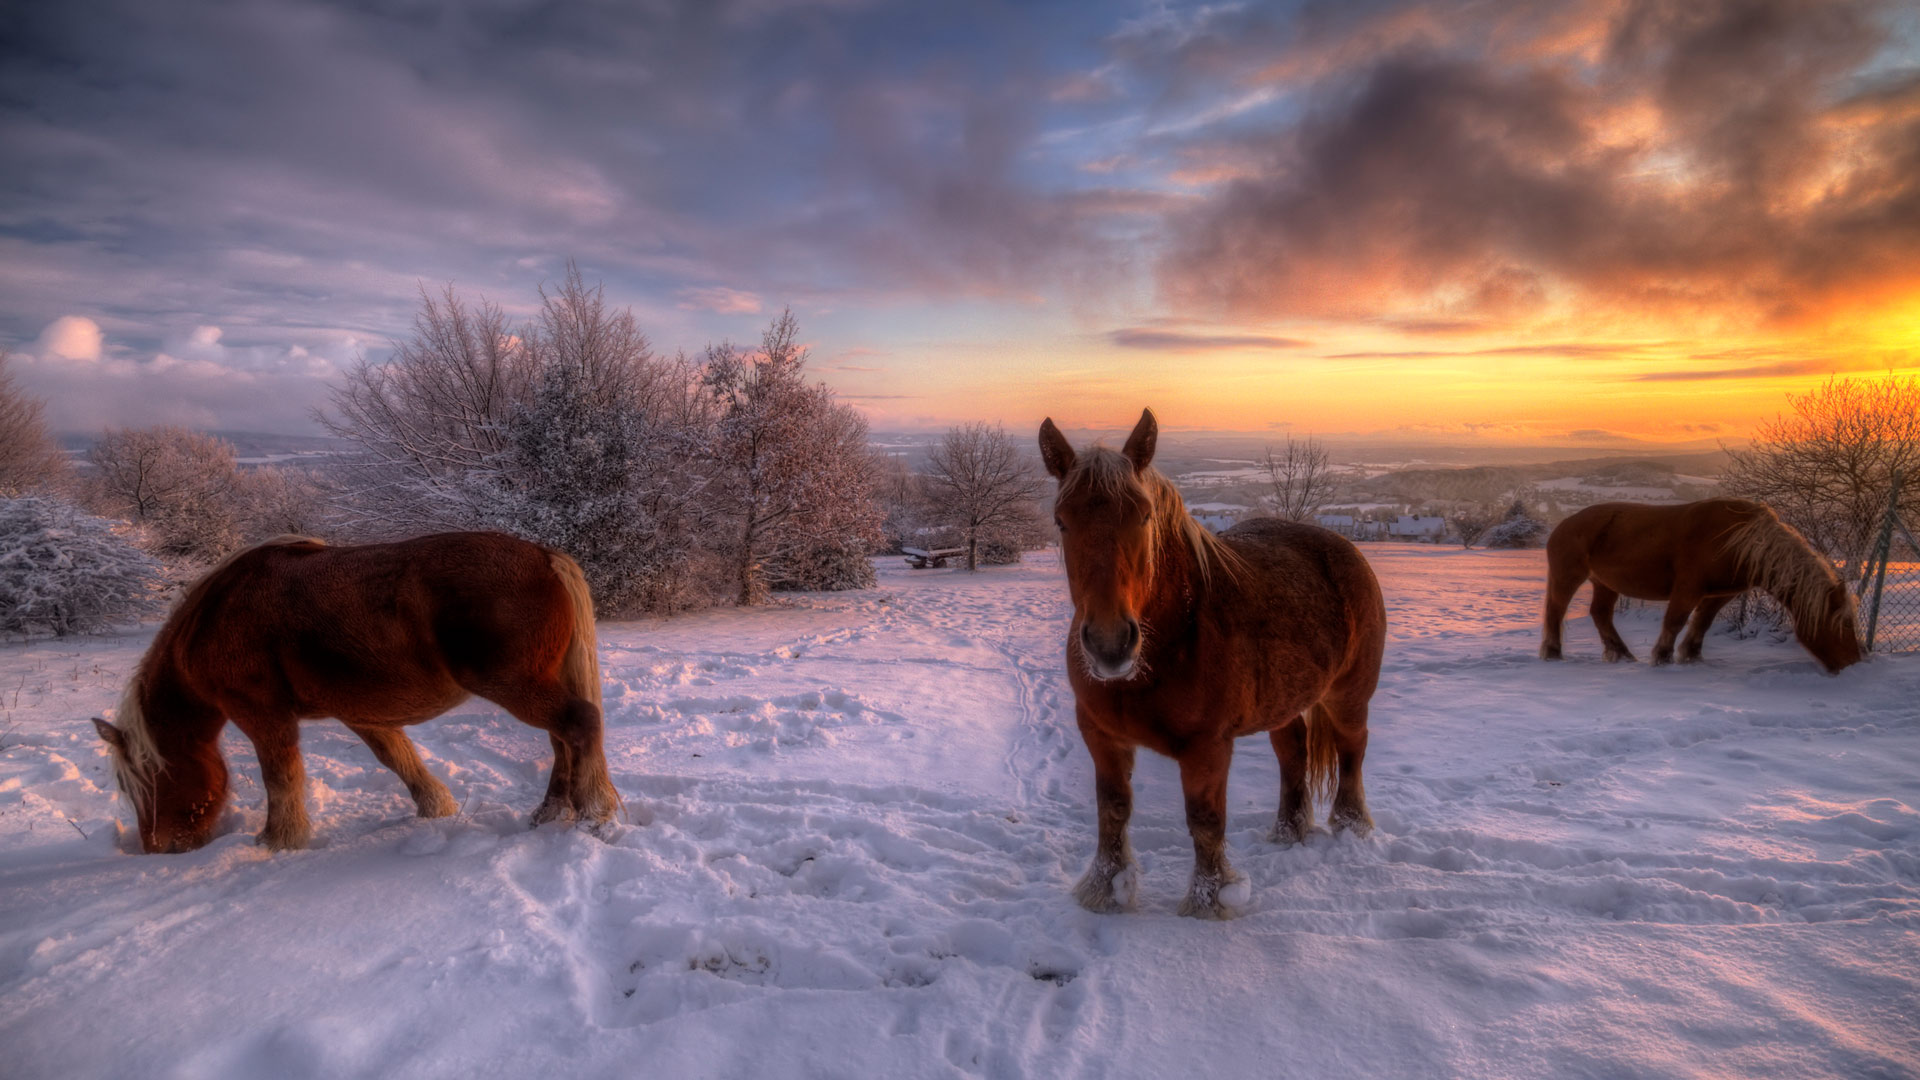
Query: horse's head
{"points": [[176, 802], [1106, 517], [1832, 635]]}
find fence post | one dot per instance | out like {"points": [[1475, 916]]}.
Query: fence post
{"points": [[1882, 552]]}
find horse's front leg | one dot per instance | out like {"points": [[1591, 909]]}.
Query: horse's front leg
{"points": [[1678, 609], [1112, 882], [276, 741], [1703, 617], [1216, 889], [397, 752]]}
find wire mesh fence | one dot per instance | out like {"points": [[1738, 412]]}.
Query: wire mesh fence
{"points": [[1890, 588]]}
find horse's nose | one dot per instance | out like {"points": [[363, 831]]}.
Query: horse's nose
{"points": [[1111, 646]]}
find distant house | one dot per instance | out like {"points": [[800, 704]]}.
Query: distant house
{"points": [[1351, 526], [1418, 528], [1215, 517]]}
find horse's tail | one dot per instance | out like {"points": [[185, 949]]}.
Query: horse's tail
{"points": [[1322, 758], [580, 669]]}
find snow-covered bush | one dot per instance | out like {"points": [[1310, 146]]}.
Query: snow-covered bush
{"points": [[1520, 532], [587, 473], [63, 571], [1520, 529], [826, 568]]}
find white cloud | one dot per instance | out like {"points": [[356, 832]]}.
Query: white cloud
{"points": [[71, 337], [193, 379], [719, 299]]}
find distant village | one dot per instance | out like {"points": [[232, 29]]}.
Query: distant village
{"points": [[1405, 528]]}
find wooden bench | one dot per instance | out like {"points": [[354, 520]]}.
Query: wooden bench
{"points": [[921, 559]]}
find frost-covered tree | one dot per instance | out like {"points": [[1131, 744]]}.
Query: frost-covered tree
{"points": [[429, 416], [792, 476], [979, 483], [1470, 520], [29, 458], [1300, 476], [1827, 466], [902, 495], [178, 485], [63, 571], [569, 431]]}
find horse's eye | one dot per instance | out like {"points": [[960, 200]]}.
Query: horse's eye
{"points": [[1058, 524]]}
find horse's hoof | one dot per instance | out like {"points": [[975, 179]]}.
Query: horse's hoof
{"points": [[1107, 891], [1358, 822], [437, 804], [1615, 656], [550, 811], [1549, 652], [1223, 899], [1662, 659], [1288, 833], [283, 839], [1689, 658]]}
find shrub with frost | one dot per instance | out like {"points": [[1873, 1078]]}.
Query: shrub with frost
{"points": [[1520, 530], [63, 571]]}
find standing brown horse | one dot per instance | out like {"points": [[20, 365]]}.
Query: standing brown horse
{"points": [[1697, 557], [379, 636], [1182, 641]]}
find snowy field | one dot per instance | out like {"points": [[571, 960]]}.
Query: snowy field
{"points": [[856, 818]]}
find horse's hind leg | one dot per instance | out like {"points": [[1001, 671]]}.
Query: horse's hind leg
{"points": [[398, 753], [1679, 607], [1295, 819], [1216, 889], [1347, 727], [580, 786], [277, 744], [558, 805], [1602, 611], [1703, 617]]}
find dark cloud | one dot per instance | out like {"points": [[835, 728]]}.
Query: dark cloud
{"points": [[1559, 348], [1821, 366], [1706, 159], [1177, 341]]}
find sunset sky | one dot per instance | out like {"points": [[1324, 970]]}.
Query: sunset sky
{"points": [[1510, 221]]}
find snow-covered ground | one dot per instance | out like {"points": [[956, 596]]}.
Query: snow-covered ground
{"points": [[855, 820]]}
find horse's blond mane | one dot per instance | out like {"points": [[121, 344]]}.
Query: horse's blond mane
{"points": [[1112, 474], [137, 760], [1780, 562]]}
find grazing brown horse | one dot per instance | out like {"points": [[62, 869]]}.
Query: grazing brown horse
{"points": [[379, 636], [1182, 641], [1697, 557]]}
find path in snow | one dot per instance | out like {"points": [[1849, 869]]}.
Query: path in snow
{"points": [[856, 818]]}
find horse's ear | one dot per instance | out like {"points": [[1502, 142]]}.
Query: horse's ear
{"points": [[110, 733], [1140, 444], [1055, 450]]}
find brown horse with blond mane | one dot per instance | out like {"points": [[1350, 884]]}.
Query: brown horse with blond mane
{"points": [[1182, 641], [379, 636], [1697, 557]]}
